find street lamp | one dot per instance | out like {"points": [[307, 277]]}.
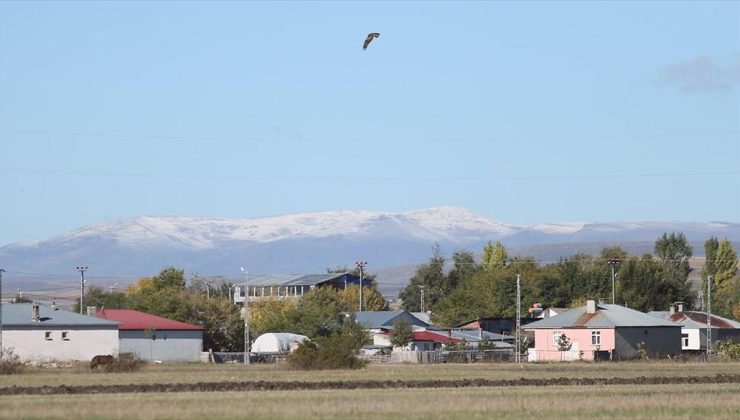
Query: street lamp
{"points": [[82, 269], [246, 317], [361, 265]]}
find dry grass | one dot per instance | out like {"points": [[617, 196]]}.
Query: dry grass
{"points": [[190, 373], [657, 401]]}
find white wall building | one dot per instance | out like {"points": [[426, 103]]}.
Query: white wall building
{"points": [[48, 334]]}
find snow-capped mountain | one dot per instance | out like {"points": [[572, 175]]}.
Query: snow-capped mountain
{"points": [[311, 242]]}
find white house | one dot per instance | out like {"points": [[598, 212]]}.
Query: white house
{"points": [[45, 334], [694, 327]]}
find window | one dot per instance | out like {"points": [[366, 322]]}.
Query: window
{"points": [[685, 340], [65, 335], [47, 335], [596, 338], [555, 337]]}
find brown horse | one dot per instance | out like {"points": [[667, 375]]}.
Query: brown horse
{"points": [[100, 360]]}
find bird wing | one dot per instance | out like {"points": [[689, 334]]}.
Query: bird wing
{"points": [[370, 37]]}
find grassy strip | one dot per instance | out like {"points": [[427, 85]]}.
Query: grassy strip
{"points": [[611, 401], [327, 385], [193, 373]]}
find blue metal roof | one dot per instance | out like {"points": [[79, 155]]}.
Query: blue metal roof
{"points": [[19, 315], [386, 319], [297, 279]]}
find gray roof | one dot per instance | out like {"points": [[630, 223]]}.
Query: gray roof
{"points": [[18, 315], [472, 336], [696, 319], [606, 316], [292, 279], [386, 319]]}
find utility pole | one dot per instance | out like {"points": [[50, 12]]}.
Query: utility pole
{"points": [[518, 320], [82, 269], [246, 318], [613, 262], [709, 316], [421, 288], [361, 265], [1, 313]]}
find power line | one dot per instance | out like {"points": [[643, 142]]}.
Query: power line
{"points": [[369, 178], [349, 140]]}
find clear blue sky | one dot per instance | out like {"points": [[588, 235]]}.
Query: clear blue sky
{"points": [[525, 112]]}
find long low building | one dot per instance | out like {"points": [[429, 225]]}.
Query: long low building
{"points": [[48, 334], [283, 286]]}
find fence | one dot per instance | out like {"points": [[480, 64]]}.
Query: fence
{"points": [[428, 357]]}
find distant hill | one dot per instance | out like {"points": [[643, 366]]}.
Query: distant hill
{"points": [[392, 243]]}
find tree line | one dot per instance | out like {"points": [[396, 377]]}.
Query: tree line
{"points": [[319, 313], [472, 289]]}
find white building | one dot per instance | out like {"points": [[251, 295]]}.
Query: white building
{"points": [[44, 334], [152, 337], [694, 327]]}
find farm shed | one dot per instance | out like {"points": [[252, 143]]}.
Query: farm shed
{"points": [[153, 337], [604, 331], [694, 327], [45, 334]]}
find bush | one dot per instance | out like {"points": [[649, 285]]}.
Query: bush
{"points": [[11, 363], [335, 351], [125, 362], [726, 349]]}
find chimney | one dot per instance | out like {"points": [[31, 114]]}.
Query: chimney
{"points": [[35, 312], [672, 309], [54, 305], [590, 306], [679, 306], [91, 311]]}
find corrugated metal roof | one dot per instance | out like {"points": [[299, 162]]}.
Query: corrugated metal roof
{"points": [[18, 315], [386, 319], [606, 316], [295, 279], [136, 320], [696, 319]]}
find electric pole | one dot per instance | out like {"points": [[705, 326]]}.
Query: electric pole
{"points": [[246, 318], [709, 316], [518, 320], [613, 262], [1, 313], [361, 265], [82, 269], [421, 288]]}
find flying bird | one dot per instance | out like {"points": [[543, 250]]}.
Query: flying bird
{"points": [[369, 38]]}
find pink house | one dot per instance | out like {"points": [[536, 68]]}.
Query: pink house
{"points": [[603, 332]]}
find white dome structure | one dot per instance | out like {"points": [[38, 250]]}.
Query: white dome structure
{"points": [[277, 343]]}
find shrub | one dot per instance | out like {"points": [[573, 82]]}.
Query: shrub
{"points": [[125, 362], [10, 363], [335, 351], [726, 349]]}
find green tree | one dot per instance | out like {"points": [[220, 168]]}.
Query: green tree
{"points": [[494, 256], [431, 275], [100, 298], [373, 300], [169, 277], [674, 251], [564, 344], [464, 267], [401, 333], [723, 269]]}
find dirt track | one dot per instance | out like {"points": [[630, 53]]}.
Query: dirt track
{"points": [[282, 386]]}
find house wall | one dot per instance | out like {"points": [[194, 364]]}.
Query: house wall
{"points": [[546, 350], [79, 345], [163, 345], [694, 339], [659, 341]]}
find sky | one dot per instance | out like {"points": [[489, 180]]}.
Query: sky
{"points": [[526, 112]]}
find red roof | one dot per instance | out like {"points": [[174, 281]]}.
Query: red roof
{"points": [[432, 336], [135, 320]]}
